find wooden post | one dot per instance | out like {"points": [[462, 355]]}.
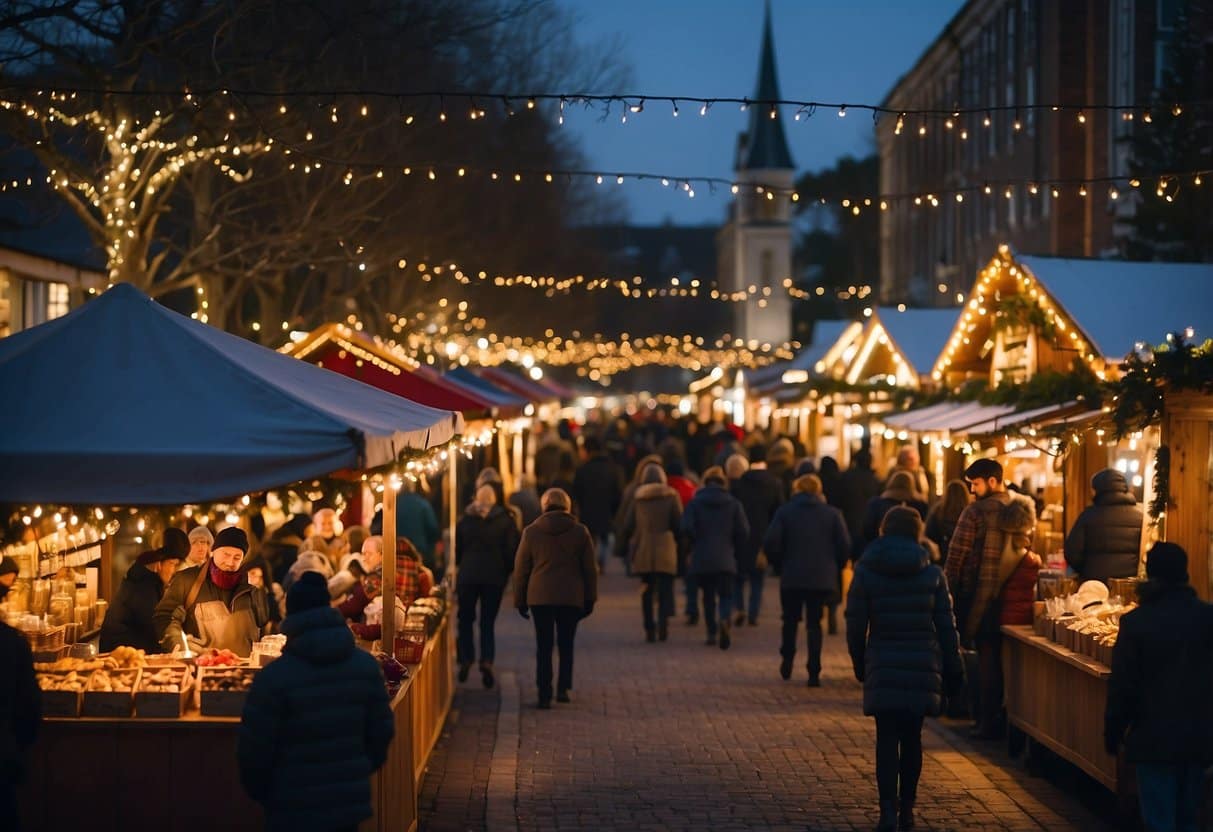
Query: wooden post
{"points": [[509, 481], [452, 510], [389, 568], [1188, 433]]}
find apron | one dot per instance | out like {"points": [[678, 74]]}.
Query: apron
{"points": [[220, 628]]}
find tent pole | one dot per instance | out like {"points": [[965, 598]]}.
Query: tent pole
{"points": [[452, 512], [389, 568]]}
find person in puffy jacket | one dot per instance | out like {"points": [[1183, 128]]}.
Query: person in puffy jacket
{"points": [[316, 724], [1105, 541], [1160, 689], [905, 650], [716, 527], [486, 539], [129, 621], [761, 494], [899, 492], [556, 584], [650, 530], [808, 545]]}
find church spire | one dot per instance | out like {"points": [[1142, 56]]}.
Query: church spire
{"points": [[766, 145]]}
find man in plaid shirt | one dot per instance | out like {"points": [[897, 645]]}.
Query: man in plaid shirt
{"points": [[974, 559]]}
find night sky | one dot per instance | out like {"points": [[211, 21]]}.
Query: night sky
{"points": [[826, 50]]}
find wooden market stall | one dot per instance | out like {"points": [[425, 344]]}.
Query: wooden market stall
{"points": [[1187, 433], [216, 416]]}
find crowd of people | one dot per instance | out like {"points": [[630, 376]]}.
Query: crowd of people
{"points": [[933, 577]]}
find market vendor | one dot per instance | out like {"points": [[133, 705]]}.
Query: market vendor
{"points": [[213, 605], [129, 621]]}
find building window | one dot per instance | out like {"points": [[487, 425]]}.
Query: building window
{"points": [[1120, 83], [1028, 11], [991, 70], [1012, 60], [1012, 219], [58, 300], [1168, 15]]}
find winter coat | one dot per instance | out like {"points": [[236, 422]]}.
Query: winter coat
{"points": [[1162, 678], [900, 631], [991, 537], [1105, 541], [20, 705], [556, 564], [598, 490], [939, 529], [760, 495], [858, 485], [684, 487], [1019, 592], [129, 619], [526, 500], [485, 545], [316, 725], [808, 544], [923, 481], [651, 529], [879, 506], [716, 526], [247, 605], [415, 520]]}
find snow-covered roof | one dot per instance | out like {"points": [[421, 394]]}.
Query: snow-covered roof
{"points": [[920, 334], [946, 416], [1119, 303]]}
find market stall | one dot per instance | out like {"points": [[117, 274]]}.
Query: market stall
{"points": [[210, 416]]}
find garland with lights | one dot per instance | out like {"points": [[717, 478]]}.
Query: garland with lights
{"points": [[512, 103], [1149, 373]]}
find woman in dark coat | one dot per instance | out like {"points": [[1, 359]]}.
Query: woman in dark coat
{"points": [[899, 492], [556, 582], [129, 620], [485, 542], [942, 518], [716, 527], [1105, 541], [650, 532], [904, 649]]}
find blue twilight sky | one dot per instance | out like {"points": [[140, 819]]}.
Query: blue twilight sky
{"points": [[826, 50]]}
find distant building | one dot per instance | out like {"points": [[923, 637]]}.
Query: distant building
{"points": [[35, 289], [1007, 52], [752, 249]]}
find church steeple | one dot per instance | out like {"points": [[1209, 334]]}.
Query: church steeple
{"points": [[766, 146]]}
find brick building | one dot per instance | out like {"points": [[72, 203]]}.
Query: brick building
{"points": [[1007, 52]]}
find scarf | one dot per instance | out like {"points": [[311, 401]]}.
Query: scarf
{"points": [[224, 580]]}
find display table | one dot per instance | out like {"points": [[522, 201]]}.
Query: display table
{"points": [[1058, 697], [181, 774]]}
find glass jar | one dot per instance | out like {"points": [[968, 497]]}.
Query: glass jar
{"points": [[99, 612], [40, 597], [62, 609]]}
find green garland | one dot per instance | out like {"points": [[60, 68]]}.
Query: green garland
{"points": [[1020, 311], [1138, 399], [1162, 483]]}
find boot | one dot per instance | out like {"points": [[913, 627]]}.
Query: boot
{"points": [[464, 669], [905, 819], [785, 668], [650, 635], [663, 630], [739, 619], [725, 636], [888, 816], [486, 674]]}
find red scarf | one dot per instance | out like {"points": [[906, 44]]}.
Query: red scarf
{"points": [[224, 580]]}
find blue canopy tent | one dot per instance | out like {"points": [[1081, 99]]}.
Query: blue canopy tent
{"points": [[124, 402]]}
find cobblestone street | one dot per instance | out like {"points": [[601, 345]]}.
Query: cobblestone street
{"points": [[683, 736]]}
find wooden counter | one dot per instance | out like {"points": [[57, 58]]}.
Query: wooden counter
{"points": [[1057, 697], [181, 774]]}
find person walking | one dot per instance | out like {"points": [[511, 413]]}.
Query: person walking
{"points": [[556, 585], [943, 516], [20, 704], [808, 545], [905, 651], [760, 495], [992, 537], [1105, 541], [858, 485], [316, 723], [650, 534], [716, 528], [1159, 692], [899, 492], [598, 490], [486, 540], [921, 481]]}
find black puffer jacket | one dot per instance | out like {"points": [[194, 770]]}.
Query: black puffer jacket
{"points": [[315, 726], [1106, 539], [808, 544], [129, 620], [716, 526], [900, 630], [1162, 678], [485, 545], [761, 495]]}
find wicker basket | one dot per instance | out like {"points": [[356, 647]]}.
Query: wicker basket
{"points": [[46, 641]]}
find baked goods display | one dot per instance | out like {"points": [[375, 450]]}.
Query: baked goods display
{"points": [[222, 690], [73, 681], [112, 681], [164, 680], [1086, 621]]}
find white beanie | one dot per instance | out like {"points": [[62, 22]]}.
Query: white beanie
{"points": [[202, 533]]}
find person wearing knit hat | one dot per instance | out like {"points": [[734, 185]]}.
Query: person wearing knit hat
{"points": [[1160, 689], [316, 722], [129, 620], [201, 541], [213, 605]]}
